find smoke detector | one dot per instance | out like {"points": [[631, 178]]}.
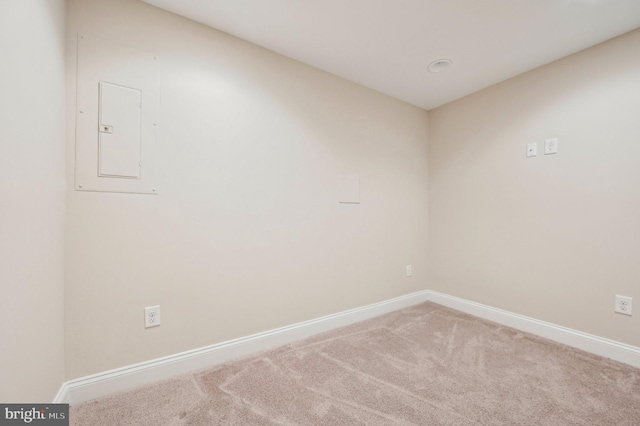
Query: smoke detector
{"points": [[439, 65]]}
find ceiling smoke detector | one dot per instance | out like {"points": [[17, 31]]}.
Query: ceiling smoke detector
{"points": [[439, 65]]}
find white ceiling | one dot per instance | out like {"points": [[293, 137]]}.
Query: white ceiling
{"points": [[387, 44]]}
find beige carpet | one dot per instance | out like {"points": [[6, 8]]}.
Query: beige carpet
{"points": [[425, 365]]}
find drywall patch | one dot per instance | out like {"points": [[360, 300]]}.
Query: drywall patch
{"points": [[349, 190]]}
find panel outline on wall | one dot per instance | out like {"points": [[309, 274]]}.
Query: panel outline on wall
{"points": [[104, 62], [349, 190]]}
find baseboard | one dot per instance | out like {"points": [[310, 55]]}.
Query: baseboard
{"points": [[587, 342], [101, 384], [61, 396], [97, 385]]}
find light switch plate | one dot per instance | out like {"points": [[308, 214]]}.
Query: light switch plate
{"points": [[532, 149], [550, 146]]}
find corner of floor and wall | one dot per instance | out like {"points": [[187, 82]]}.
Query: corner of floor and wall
{"points": [[245, 241]]}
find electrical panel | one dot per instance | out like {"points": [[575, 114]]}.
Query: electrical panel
{"points": [[116, 118]]}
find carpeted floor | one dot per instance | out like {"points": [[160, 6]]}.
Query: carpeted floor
{"points": [[424, 365]]}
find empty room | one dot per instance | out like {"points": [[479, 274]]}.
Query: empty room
{"points": [[360, 212]]}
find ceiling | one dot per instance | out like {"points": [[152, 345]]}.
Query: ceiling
{"points": [[387, 45]]}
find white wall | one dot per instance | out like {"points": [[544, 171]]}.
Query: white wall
{"points": [[246, 234], [553, 237], [32, 197]]}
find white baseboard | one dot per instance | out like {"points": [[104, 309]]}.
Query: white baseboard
{"points": [[101, 384], [587, 342]]}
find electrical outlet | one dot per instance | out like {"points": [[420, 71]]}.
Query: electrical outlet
{"points": [[409, 270], [623, 304], [151, 316]]}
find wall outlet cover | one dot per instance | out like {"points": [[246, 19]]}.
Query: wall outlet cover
{"points": [[623, 304], [152, 316]]}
